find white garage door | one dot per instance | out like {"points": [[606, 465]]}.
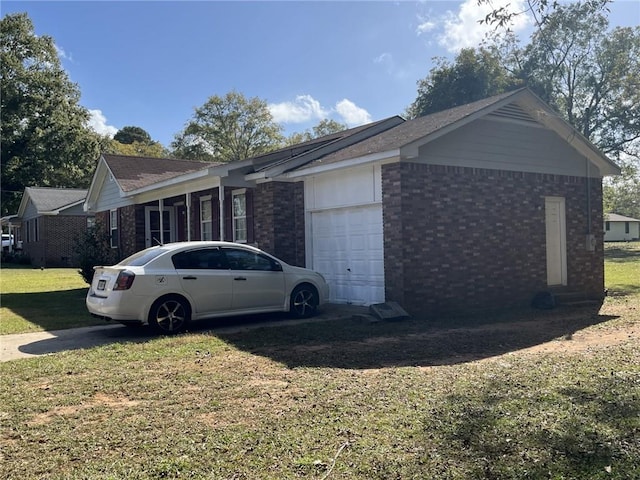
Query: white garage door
{"points": [[348, 250]]}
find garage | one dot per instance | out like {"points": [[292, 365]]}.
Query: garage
{"points": [[347, 248]]}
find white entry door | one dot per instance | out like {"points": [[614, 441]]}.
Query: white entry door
{"points": [[347, 249], [556, 241]]}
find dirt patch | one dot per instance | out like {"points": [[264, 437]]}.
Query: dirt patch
{"points": [[99, 399]]}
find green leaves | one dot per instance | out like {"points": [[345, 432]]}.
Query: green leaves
{"points": [[45, 139], [227, 129]]}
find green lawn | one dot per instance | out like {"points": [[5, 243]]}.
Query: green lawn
{"points": [[49, 299], [343, 399]]}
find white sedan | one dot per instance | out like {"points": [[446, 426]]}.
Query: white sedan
{"points": [[169, 285]]}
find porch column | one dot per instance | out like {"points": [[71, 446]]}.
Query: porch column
{"points": [[187, 202], [161, 208], [221, 209]]}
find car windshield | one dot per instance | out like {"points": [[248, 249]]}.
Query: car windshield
{"points": [[143, 257]]}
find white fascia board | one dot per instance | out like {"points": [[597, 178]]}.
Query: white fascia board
{"points": [[172, 182], [371, 158], [182, 188], [23, 202]]}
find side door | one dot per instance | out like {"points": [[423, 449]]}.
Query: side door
{"points": [[204, 276], [258, 281]]}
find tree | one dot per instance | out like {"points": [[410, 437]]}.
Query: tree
{"points": [[591, 75], [134, 141], [587, 72], [475, 74], [540, 10], [325, 127], [45, 138], [129, 135], [227, 129]]}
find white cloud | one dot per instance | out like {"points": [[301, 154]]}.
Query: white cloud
{"points": [[62, 54], [303, 109], [461, 29], [352, 114], [98, 123]]}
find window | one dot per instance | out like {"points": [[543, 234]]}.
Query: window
{"points": [[626, 227], [243, 260], [202, 259], [206, 224], [113, 226], [91, 222], [607, 226], [239, 216]]}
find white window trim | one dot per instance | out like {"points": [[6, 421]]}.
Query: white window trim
{"points": [[234, 193], [202, 221], [113, 215]]}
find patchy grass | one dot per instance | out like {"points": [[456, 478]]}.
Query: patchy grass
{"points": [[551, 394], [622, 268], [49, 299]]}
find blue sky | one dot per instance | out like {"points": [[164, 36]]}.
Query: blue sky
{"points": [[150, 63]]}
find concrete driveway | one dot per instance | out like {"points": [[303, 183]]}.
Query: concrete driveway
{"points": [[24, 345]]}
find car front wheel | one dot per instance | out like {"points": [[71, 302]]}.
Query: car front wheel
{"points": [[304, 301], [169, 315]]}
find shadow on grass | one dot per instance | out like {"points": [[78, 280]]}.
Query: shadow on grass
{"points": [[622, 254], [584, 430], [359, 343], [51, 310]]}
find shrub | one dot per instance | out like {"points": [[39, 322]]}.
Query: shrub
{"points": [[92, 248]]}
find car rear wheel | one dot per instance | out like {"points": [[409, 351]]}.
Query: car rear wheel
{"points": [[169, 315], [304, 301]]}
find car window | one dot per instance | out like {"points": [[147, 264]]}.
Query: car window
{"points": [[142, 258], [201, 259], [245, 260]]}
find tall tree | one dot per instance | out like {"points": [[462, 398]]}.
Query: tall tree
{"points": [[227, 129], [134, 141], [590, 74], [130, 134], [45, 138], [475, 74]]}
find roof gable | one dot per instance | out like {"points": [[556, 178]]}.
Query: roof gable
{"points": [[520, 106], [47, 200]]}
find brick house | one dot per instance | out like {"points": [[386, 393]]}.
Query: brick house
{"points": [[476, 207], [48, 222]]}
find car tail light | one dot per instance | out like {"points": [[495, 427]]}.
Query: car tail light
{"points": [[125, 280]]}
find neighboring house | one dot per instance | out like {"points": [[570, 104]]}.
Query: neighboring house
{"points": [[476, 207], [618, 228], [47, 223]]}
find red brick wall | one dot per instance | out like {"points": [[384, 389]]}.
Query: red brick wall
{"points": [[57, 238], [279, 220], [460, 239]]}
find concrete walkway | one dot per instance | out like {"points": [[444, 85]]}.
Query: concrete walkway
{"points": [[24, 345]]}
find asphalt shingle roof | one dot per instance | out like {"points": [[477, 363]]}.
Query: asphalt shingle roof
{"points": [[614, 217], [133, 173], [47, 199]]}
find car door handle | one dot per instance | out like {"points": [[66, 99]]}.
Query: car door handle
{"points": [[240, 279], [190, 278]]}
